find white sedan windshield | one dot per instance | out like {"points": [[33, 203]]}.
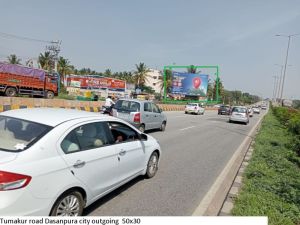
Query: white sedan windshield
{"points": [[17, 134]]}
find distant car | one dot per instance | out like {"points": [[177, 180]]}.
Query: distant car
{"points": [[144, 115], [239, 114], [224, 110], [194, 108], [56, 162], [264, 107], [256, 110], [250, 112]]}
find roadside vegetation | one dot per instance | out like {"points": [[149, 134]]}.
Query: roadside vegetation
{"points": [[272, 179]]}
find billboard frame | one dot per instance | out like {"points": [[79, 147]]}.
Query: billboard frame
{"points": [[166, 100]]}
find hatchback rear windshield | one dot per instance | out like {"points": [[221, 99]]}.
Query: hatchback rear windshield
{"points": [[224, 107], [192, 104], [129, 106], [239, 110], [17, 135]]}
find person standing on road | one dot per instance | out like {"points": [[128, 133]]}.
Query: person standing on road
{"points": [[109, 102]]}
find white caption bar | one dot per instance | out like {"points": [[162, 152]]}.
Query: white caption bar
{"points": [[134, 220]]}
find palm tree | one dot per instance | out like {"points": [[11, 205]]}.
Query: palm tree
{"points": [[13, 59], [63, 67], [140, 76], [46, 61]]}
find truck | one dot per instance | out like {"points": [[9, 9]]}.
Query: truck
{"points": [[21, 80]]}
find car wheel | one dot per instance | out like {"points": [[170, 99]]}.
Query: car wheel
{"points": [[230, 121], [69, 204], [142, 128], [163, 126], [152, 165], [185, 112]]}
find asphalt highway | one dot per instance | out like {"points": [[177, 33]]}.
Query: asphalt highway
{"points": [[195, 148]]}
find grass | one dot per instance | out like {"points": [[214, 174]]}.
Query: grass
{"points": [[272, 179]]}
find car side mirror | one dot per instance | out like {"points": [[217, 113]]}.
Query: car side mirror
{"points": [[143, 137]]}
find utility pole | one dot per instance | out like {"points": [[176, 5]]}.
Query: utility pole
{"points": [[54, 50], [275, 88]]}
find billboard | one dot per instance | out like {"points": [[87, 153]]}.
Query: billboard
{"points": [[191, 84], [85, 82]]}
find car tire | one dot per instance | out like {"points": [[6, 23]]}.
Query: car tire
{"points": [[152, 165], [185, 112], [142, 128], [163, 126], [229, 121], [69, 204]]}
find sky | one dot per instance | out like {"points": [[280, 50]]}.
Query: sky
{"points": [[236, 35]]}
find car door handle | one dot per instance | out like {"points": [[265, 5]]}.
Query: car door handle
{"points": [[122, 152], [79, 164]]}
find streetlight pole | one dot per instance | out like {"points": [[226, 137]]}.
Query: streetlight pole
{"points": [[279, 84], [286, 59]]}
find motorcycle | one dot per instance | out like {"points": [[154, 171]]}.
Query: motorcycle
{"points": [[107, 110]]}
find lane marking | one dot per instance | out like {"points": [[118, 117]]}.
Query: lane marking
{"points": [[178, 116], [187, 128]]}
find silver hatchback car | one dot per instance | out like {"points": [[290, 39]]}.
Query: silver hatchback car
{"points": [[145, 115], [239, 114]]}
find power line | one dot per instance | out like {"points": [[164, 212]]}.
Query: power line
{"points": [[6, 35]]}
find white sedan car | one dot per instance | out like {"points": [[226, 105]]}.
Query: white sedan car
{"points": [[194, 108], [57, 161]]}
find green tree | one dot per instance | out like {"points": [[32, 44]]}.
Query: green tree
{"points": [[220, 89], [108, 73], [140, 76], [168, 75], [147, 89], [64, 67], [13, 59], [46, 61]]}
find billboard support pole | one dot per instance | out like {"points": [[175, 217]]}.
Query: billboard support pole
{"points": [[217, 83], [165, 83]]}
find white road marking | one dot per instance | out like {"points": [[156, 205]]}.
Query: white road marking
{"points": [[178, 116], [187, 128]]}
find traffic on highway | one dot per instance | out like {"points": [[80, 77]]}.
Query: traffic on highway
{"points": [[91, 155]]}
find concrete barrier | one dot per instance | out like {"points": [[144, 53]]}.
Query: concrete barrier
{"points": [[9, 103]]}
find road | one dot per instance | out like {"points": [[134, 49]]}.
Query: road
{"points": [[195, 149]]}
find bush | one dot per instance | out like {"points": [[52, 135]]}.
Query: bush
{"points": [[289, 118]]}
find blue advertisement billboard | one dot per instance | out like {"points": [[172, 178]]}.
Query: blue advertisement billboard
{"points": [[192, 84]]}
